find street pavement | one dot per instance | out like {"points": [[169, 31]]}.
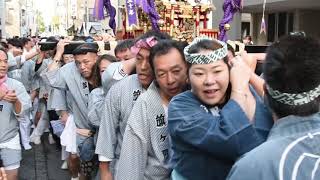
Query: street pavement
{"points": [[42, 162]]}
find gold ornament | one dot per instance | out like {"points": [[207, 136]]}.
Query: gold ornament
{"points": [[161, 22], [227, 27]]}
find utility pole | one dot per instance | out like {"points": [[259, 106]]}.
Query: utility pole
{"points": [[67, 14], [87, 15]]}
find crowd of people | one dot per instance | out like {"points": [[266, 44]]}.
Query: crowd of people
{"points": [[157, 108]]}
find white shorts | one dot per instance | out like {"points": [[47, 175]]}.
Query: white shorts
{"points": [[11, 158]]}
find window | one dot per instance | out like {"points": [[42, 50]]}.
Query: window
{"points": [[245, 29], [279, 24], [91, 16], [282, 24], [290, 22], [271, 28]]}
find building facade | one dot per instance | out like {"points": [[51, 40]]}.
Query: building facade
{"points": [[281, 17], [217, 16], [16, 18], [76, 17], [2, 15]]}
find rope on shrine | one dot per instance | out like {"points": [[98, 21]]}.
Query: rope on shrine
{"points": [[99, 12], [230, 7], [112, 13], [149, 7]]}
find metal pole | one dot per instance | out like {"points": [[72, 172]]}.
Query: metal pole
{"points": [[87, 17]]}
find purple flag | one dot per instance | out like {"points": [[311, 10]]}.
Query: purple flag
{"points": [[132, 13], [98, 12], [148, 6], [98, 9], [230, 7]]}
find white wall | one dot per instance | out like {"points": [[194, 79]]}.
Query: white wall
{"points": [[2, 16], [12, 26]]}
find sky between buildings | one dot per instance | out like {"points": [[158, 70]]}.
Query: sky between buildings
{"points": [[47, 8]]}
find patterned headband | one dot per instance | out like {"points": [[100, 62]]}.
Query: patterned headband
{"points": [[144, 43], [211, 57], [294, 99]]}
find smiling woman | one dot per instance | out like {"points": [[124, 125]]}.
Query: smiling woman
{"points": [[211, 125], [14, 99]]}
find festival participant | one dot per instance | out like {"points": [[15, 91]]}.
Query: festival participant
{"points": [[20, 68], [14, 100], [97, 96], [45, 98], [219, 119], [120, 100], [247, 40], [292, 75], [62, 104], [26, 78], [147, 127], [123, 50], [76, 77]]}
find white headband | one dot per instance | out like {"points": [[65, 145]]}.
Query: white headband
{"points": [[214, 56], [294, 99]]}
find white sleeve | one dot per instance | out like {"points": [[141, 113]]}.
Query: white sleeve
{"points": [[112, 74], [104, 159]]}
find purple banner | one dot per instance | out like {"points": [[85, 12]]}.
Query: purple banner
{"points": [[131, 13], [98, 12], [230, 7], [148, 6], [98, 9]]}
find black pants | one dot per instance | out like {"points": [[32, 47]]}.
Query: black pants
{"points": [[54, 116]]}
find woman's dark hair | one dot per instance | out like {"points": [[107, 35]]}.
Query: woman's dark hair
{"points": [[5, 52], [230, 48], [4, 45], [292, 66], [124, 45], [96, 70], [210, 45], [24, 40]]}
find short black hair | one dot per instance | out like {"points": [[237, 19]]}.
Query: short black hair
{"points": [[124, 45], [249, 37], [163, 47], [4, 45], [15, 42], [85, 48], [230, 48], [158, 35], [25, 40], [292, 65]]}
